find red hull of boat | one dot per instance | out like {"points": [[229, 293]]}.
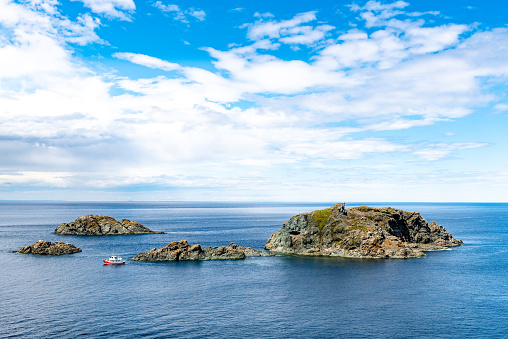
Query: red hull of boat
{"points": [[112, 263]]}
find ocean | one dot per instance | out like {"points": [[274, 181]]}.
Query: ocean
{"points": [[461, 292]]}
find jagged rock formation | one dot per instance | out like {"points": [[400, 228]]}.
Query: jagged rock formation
{"points": [[49, 248], [181, 250], [360, 232], [101, 225]]}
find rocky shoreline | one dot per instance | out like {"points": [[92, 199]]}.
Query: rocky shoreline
{"points": [[360, 232], [102, 225], [182, 251], [44, 247]]}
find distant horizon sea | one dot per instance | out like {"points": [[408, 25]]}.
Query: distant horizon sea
{"points": [[454, 293]]}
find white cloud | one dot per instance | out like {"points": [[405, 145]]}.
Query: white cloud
{"points": [[147, 61], [181, 14], [47, 97], [198, 14], [304, 35], [54, 179], [119, 9], [82, 32], [387, 47], [376, 14], [433, 39], [258, 73], [38, 19], [341, 149], [441, 150], [288, 31], [166, 8], [501, 107], [272, 29], [34, 54], [263, 15]]}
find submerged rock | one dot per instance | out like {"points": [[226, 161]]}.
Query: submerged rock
{"points": [[360, 232], [101, 225], [48, 248], [181, 250]]}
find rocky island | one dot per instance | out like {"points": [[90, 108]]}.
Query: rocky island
{"points": [[101, 225], [360, 232], [48, 248], [181, 251]]}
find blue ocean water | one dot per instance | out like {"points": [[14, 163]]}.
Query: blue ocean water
{"points": [[461, 292]]}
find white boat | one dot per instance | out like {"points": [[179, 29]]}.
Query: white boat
{"points": [[114, 260]]}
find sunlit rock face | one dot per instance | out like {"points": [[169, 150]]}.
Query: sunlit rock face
{"points": [[360, 232], [182, 251], [48, 248], [101, 225]]}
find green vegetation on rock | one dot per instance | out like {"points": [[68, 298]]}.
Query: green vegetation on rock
{"points": [[321, 217], [364, 208]]}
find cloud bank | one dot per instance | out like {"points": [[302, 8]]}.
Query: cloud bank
{"points": [[259, 126]]}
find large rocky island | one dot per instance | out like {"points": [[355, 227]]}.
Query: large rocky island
{"points": [[182, 251], [48, 248], [101, 225], [360, 232]]}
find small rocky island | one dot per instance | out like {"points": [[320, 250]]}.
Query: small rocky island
{"points": [[181, 251], [101, 225], [48, 248], [360, 232]]}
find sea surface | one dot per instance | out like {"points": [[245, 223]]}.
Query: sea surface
{"points": [[462, 292]]}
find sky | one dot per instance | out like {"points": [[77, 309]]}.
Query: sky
{"points": [[314, 101]]}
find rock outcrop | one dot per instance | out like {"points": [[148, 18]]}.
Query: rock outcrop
{"points": [[181, 251], [360, 232], [101, 225], [48, 248]]}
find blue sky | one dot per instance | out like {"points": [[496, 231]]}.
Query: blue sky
{"points": [[257, 101]]}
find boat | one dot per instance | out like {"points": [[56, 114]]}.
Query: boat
{"points": [[114, 260]]}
